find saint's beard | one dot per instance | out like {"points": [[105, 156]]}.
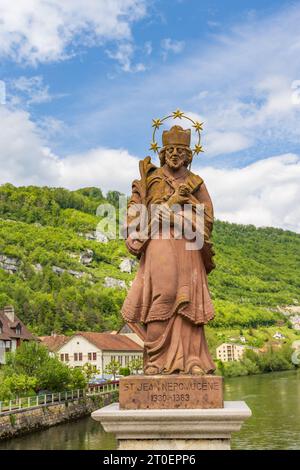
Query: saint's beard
{"points": [[173, 165]]}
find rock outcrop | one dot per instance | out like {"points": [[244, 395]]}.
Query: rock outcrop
{"points": [[10, 264], [59, 271], [115, 283], [95, 236], [86, 257], [127, 265]]}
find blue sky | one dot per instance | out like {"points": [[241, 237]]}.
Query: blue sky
{"points": [[83, 83]]}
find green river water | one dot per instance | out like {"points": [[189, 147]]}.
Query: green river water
{"points": [[275, 423]]}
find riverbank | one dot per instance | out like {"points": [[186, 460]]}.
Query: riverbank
{"points": [[252, 363], [274, 400], [19, 422]]}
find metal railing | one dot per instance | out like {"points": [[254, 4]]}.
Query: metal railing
{"points": [[103, 388], [35, 401]]}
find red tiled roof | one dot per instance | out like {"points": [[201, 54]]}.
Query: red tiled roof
{"points": [[54, 342], [109, 342], [9, 331]]}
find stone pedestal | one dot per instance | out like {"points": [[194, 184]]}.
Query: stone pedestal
{"points": [[138, 392], [173, 429]]}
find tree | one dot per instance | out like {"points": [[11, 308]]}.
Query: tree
{"points": [[32, 360], [113, 197], [112, 368], [17, 385], [89, 370], [28, 359], [125, 371], [78, 379], [135, 365], [54, 375]]}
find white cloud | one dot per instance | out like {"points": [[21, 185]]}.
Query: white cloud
{"points": [[245, 85], [49, 30], [23, 156], [265, 193], [148, 47], [32, 88], [248, 78], [217, 143], [171, 45], [26, 159], [107, 168], [124, 54]]}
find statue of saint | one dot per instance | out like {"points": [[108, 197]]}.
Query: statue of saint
{"points": [[169, 302]]}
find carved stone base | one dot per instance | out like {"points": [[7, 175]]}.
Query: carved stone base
{"points": [[171, 392], [182, 429]]}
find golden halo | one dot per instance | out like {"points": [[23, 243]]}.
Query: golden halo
{"points": [[156, 123]]}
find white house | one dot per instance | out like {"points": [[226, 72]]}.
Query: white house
{"points": [[98, 349], [227, 352]]}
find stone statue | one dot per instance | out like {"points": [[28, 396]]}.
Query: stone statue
{"points": [[169, 302]]}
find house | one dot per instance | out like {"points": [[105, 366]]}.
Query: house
{"points": [[127, 331], [227, 352], [54, 342], [98, 349], [278, 335], [12, 332]]}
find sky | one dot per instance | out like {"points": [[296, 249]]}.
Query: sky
{"points": [[80, 83]]}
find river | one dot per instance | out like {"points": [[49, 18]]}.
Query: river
{"points": [[275, 423]]}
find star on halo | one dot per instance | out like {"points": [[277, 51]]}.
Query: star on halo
{"points": [[154, 146], [198, 126], [156, 123], [177, 114], [198, 149]]}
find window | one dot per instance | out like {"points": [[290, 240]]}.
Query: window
{"points": [[80, 356], [62, 357], [67, 357], [94, 356], [120, 359], [89, 356], [126, 360], [75, 357], [18, 330]]}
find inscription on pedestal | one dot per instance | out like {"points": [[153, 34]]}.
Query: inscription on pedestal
{"points": [[171, 391]]}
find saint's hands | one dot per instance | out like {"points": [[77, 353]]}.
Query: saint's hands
{"points": [[181, 195]]}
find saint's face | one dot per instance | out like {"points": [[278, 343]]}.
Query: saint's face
{"points": [[175, 156]]}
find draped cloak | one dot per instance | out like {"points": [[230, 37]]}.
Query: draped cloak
{"points": [[169, 296]]}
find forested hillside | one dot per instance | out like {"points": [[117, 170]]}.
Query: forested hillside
{"points": [[58, 276]]}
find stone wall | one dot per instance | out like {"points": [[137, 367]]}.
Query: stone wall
{"points": [[23, 421]]}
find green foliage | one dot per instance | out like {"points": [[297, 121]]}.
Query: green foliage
{"points": [[28, 359], [124, 371], [30, 369], [17, 385], [257, 269], [234, 368], [89, 371], [254, 363], [78, 379], [112, 368], [135, 365], [113, 197], [12, 419]]}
